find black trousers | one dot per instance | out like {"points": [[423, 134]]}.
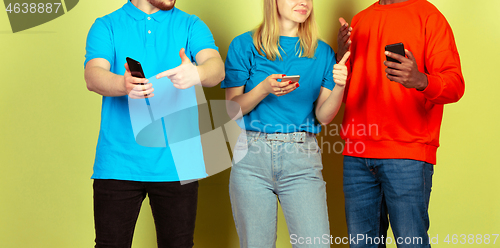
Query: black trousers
{"points": [[117, 204]]}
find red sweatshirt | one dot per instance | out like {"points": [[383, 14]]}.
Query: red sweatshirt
{"points": [[383, 119]]}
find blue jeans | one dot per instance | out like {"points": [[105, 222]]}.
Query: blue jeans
{"points": [[379, 191], [278, 167]]}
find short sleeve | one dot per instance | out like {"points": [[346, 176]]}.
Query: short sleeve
{"points": [[330, 62], [99, 42], [238, 62], [200, 38]]}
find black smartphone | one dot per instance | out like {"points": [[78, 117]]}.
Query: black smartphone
{"points": [[398, 48], [135, 68], [136, 71]]}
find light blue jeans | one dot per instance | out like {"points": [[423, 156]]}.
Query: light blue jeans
{"points": [[284, 167]]}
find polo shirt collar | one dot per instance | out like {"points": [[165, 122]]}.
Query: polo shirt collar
{"points": [[138, 14]]}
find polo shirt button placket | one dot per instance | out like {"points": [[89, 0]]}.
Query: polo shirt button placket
{"points": [[149, 38], [149, 19]]}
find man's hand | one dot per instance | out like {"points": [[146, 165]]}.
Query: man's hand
{"points": [[137, 87], [183, 76], [406, 73], [272, 86], [343, 39], [340, 71]]}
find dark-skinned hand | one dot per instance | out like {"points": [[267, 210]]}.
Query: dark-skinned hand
{"points": [[343, 39], [406, 73]]}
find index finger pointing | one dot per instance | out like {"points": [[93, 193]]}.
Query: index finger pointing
{"points": [[167, 73], [345, 58]]}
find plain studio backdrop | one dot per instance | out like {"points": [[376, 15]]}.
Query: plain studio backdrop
{"points": [[49, 125]]}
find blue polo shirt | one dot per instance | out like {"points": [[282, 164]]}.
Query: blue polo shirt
{"points": [[154, 40], [293, 112]]}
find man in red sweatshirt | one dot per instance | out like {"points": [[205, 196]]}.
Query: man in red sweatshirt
{"points": [[393, 116]]}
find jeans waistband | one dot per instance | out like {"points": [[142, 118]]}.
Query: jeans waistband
{"points": [[298, 137]]}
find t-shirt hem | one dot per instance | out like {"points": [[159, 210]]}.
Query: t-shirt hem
{"points": [[148, 179]]}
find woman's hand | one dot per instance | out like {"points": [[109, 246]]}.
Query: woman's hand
{"points": [[272, 86], [340, 71]]}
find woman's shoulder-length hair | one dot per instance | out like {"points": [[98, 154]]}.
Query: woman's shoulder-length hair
{"points": [[266, 35]]}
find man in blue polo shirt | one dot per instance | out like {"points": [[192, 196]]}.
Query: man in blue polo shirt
{"points": [[165, 40]]}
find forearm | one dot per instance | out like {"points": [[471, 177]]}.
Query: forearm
{"points": [[104, 82], [441, 63], [211, 72], [330, 107], [251, 99], [444, 88]]}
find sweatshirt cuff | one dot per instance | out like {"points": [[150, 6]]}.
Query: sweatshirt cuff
{"points": [[434, 87]]}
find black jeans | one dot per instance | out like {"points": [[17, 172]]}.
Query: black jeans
{"points": [[117, 204]]}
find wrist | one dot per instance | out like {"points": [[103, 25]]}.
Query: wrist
{"points": [[261, 89], [123, 85], [423, 82], [201, 73], [339, 87]]}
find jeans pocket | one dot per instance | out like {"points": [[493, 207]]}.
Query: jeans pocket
{"points": [[244, 142]]}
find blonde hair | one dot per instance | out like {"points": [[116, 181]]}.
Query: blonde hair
{"points": [[266, 35]]}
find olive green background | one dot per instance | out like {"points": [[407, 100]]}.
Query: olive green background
{"points": [[50, 123]]}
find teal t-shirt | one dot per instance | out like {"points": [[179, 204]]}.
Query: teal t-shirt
{"points": [[154, 40], [293, 112]]}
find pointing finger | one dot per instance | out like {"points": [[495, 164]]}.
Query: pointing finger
{"points": [[167, 73]]}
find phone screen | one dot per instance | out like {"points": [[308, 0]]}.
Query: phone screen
{"points": [[398, 48], [135, 68]]}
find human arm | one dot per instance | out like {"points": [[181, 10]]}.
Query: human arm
{"points": [[102, 81], [210, 67], [248, 101], [443, 82], [239, 65], [99, 57], [329, 101], [209, 71]]}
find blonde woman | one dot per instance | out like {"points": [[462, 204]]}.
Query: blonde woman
{"points": [[281, 119]]}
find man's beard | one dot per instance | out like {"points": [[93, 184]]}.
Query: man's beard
{"points": [[161, 5]]}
